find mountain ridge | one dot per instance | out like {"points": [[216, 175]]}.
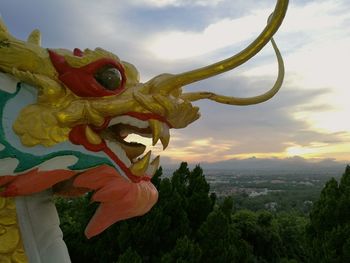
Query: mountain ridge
{"points": [[295, 164]]}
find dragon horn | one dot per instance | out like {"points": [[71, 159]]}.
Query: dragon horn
{"points": [[166, 83], [193, 96]]}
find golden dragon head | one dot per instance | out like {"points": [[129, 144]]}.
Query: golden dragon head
{"points": [[70, 112]]}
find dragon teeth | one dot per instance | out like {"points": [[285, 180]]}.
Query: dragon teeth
{"points": [[140, 167], [165, 137], [152, 168], [160, 131], [143, 166], [156, 128]]}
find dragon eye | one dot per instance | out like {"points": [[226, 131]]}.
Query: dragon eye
{"points": [[109, 77]]}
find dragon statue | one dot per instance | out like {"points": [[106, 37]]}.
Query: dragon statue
{"points": [[64, 117]]}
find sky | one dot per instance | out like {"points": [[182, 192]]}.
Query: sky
{"points": [[308, 118]]}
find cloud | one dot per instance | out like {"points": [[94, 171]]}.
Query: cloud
{"points": [[315, 17], [308, 115], [268, 129], [315, 51], [184, 44], [164, 3]]}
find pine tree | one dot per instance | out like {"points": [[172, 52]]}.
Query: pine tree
{"points": [[199, 204], [216, 239], [185, 251], [329, 229], [291, 229], [129, 256], [227, 207]]}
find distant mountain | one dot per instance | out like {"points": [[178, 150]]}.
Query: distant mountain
{"points": [[275, 165]]}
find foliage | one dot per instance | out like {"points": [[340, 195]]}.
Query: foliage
{"points": [[129, 256], [189, 224], [329, 228], [185, 251]]}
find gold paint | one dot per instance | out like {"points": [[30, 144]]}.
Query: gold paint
{"points": [[2, 202], [91, 136], [7, 216], [167, 83], [243, 101], [132, 73], [9, 240], [24, 56], [149, 103], [49, 90], [57, 110], [49, 120], [19, 256], [11, 247], [140, 167], [93, 116], [165, 138], [35, 125], [156, 128], [2, 230], [166, 102], [113, 106], [5, 259], [35, 37]]}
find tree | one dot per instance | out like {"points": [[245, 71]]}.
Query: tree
{"points": [[291, 229], [220, 241], [199, 203], [185, 251], [227, 206], [324, 214], [258, 230], [329, 228], [129, 256], [344, 200], [179, 180]]}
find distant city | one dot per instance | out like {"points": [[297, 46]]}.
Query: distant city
{"points": [[272, 184], [269, 166]]}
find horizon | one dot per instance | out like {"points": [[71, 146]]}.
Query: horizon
{"points": [[231, 164], [307, 118]]}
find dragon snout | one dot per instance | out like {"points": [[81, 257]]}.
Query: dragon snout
{"points": [[177, 112]]}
